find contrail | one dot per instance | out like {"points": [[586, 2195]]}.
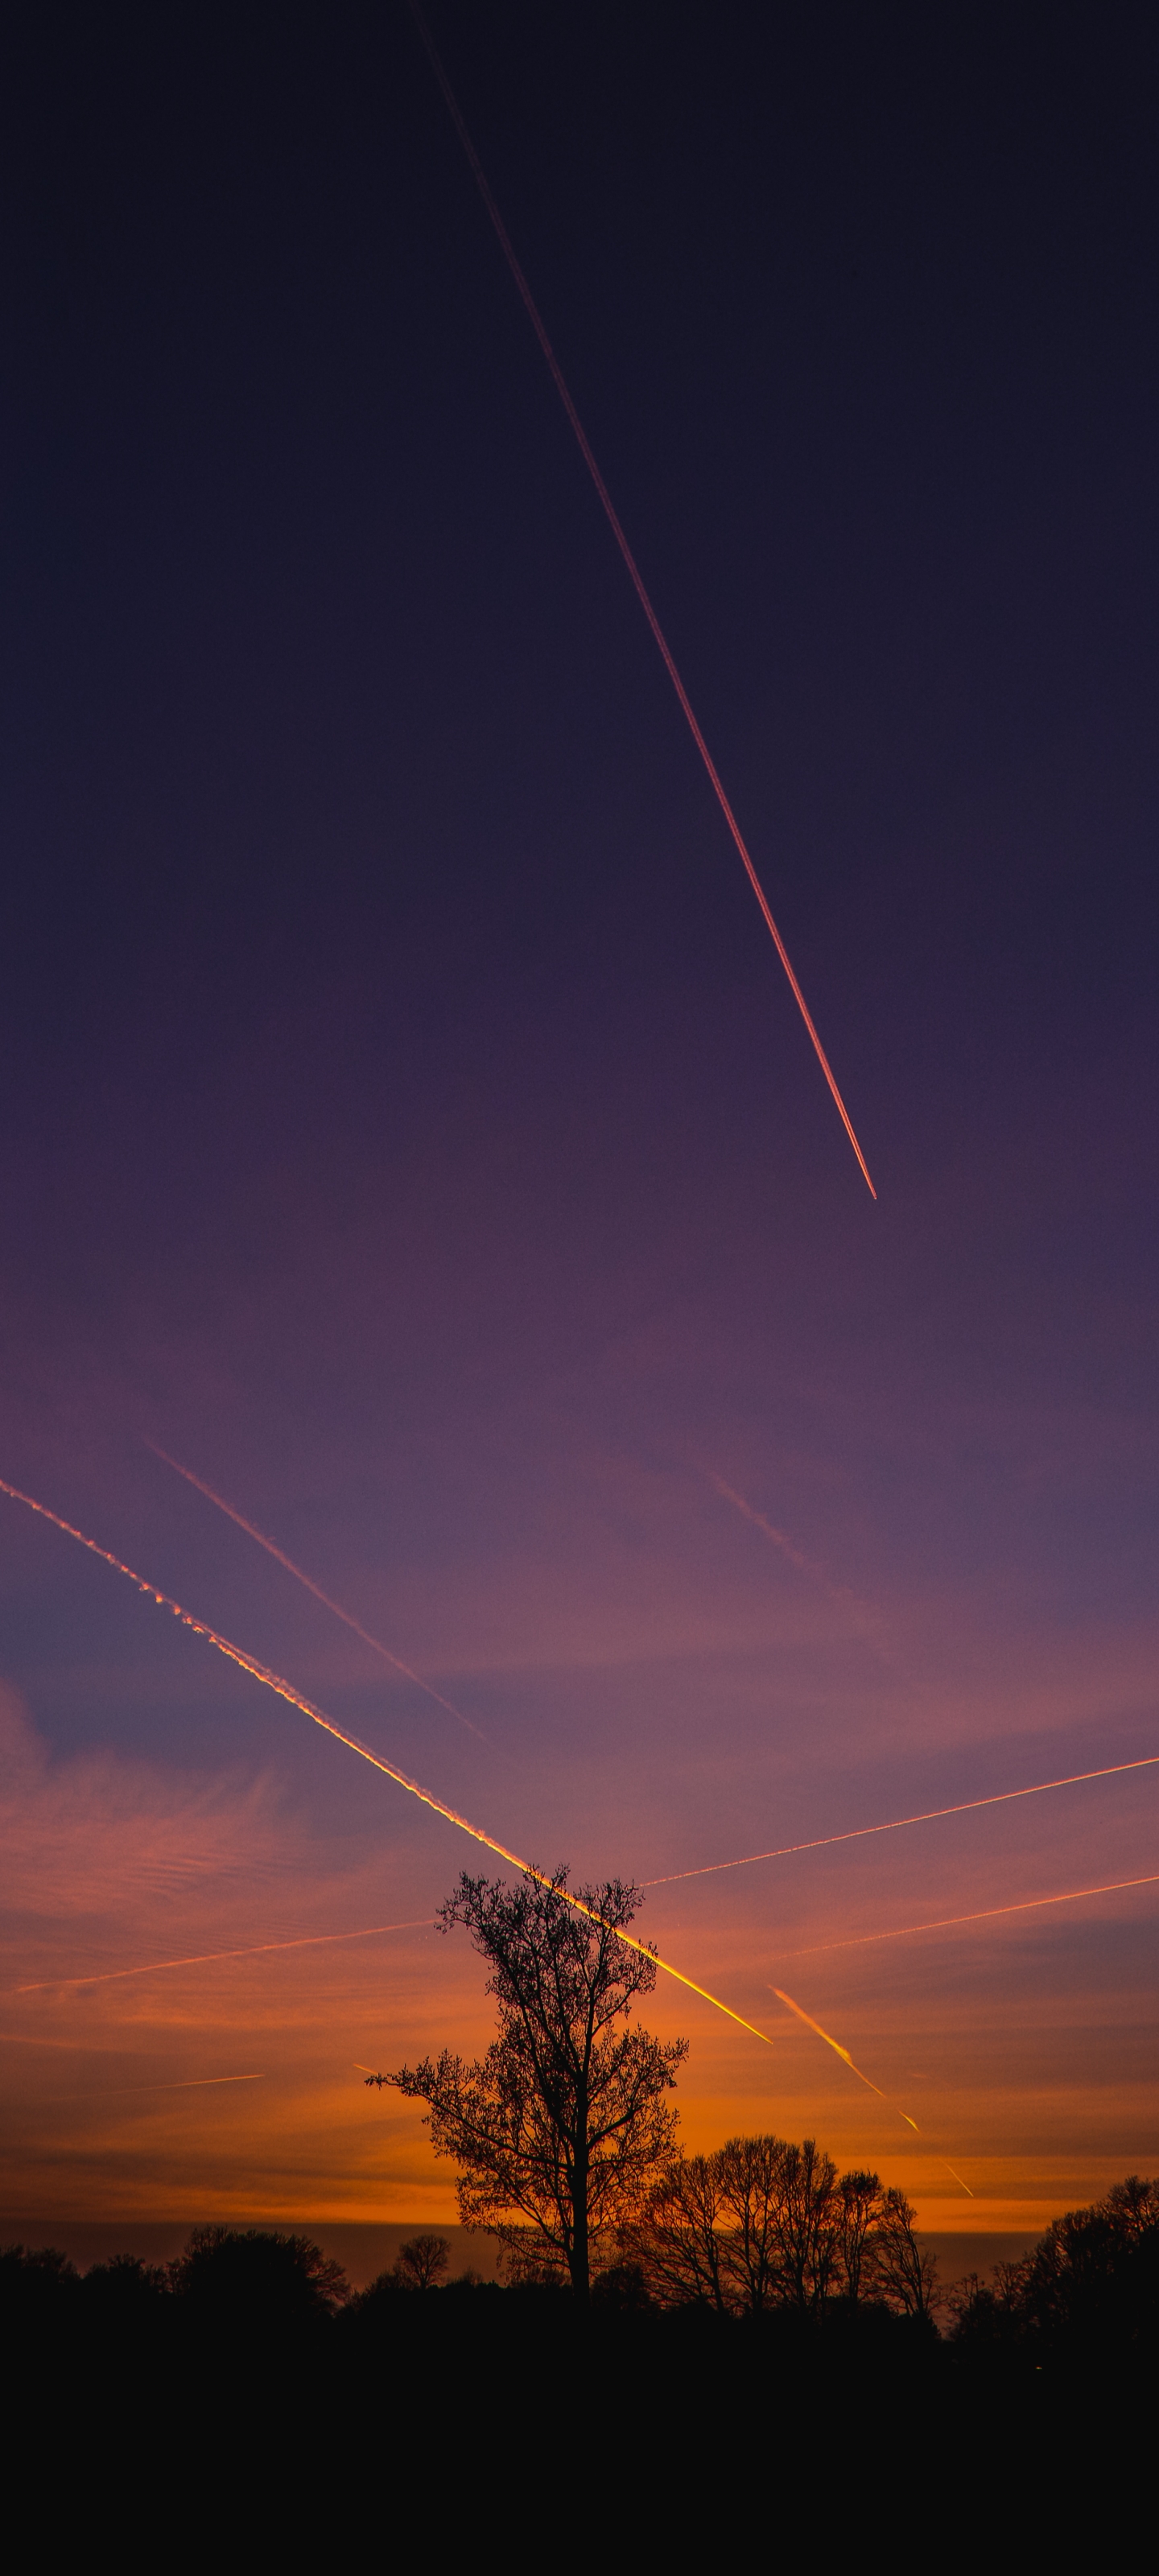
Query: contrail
{"points": [[830, 2042], [867, 1617], [197, 2083], [285, 1690], [205, 1958], [634, 574], [187, 2084], [804, 1564], [1029, 1904], [1000, 1798], [272, 1549]]}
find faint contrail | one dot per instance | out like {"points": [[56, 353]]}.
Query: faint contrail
{"points": [[272, 1549], [285, 1690], [867, 1617], [804, 1564], [205, 1958], [186, 2084], [635, 576], [197, 2083], [1000, 1798], [905, 1931]]}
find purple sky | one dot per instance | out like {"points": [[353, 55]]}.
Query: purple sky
{"points": [[408, 1124]]}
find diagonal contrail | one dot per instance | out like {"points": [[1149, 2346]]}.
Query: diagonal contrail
{"points": [[843, 2053], [205, 1958], [285, 1690], [830, 2042], [272, 1549], [635, 576], [986, 1914], [931, 1816]]}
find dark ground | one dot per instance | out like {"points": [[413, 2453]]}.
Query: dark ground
{"points": [[505, 2419]]}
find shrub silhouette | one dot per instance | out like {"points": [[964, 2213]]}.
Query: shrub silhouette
{"points": [[1089, 2288], [257, 2278], [422, 2262], [124, 2290], [37, 2287]]}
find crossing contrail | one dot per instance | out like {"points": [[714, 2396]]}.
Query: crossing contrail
{"points": [[272, 1549], [285, 1690], [479, 175], [931, 1816]]}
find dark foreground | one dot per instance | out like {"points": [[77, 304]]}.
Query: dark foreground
{"points": [[254, 2410]]}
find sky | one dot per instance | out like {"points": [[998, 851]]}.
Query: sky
{"points": [[409, 1128]]}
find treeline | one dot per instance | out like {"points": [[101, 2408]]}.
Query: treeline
{"points": [[762, 2224], [760, 2231], [1089, 2288]]}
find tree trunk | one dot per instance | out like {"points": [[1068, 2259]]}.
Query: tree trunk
{"points": [[580, 2259]]}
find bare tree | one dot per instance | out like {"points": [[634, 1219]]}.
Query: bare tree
{"points": [[422, 2262], [559, 2131], [758, 2224], [858, 2211], [677, 2240], [905, 2274], [807, 2225], [751, 2175]]}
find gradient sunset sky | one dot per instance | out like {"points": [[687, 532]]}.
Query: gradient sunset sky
{"points": [[408, 1126]]}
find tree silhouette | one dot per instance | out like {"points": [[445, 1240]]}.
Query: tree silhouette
{"points": [[1090, 2285], [904, 2273], [559, 2131], [257, 2276], [807, 2225], [422, 2262], [858, 2209], [764, 2224], [750, 2175], [677, 2241], [37, 2284]]}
